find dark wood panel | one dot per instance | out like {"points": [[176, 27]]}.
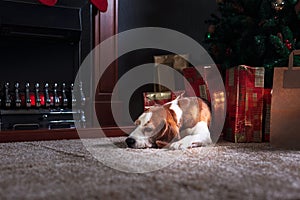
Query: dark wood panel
{"points": [[104, 113], [106, 25], [108, 79], [59, 134]]}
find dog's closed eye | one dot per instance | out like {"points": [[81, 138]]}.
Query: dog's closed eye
{"points": [[148, 129]]}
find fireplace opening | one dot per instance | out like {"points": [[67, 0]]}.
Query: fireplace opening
{"points": [[39, 60]]}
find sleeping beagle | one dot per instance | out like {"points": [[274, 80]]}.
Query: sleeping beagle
{"points": [[180, 124]]}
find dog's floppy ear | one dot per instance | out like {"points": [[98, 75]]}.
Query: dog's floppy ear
{"points": [[169, 133], [161, 144]]}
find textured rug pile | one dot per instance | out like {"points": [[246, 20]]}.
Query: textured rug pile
{"points": [[106, 169]]}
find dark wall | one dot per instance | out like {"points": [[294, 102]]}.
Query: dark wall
{"points": [[186, 16]]}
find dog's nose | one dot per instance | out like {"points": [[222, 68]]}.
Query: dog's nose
{"points": [[130, 142]]}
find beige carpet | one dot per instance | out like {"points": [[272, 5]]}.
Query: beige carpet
{"points": [[66, 170]]}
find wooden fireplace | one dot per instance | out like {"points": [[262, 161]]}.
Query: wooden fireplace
{"points": [[46, 45]]}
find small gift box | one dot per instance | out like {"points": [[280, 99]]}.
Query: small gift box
{"points": [[197, 83], [177, 62]]}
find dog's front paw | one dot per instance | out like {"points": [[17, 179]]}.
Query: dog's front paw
{"points": [[180, 145]]}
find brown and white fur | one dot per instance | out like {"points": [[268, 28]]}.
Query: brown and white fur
{"points": [[180, 124]]}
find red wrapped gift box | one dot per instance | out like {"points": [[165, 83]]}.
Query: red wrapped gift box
{"points": [[245, 91], [199, 87], [267, 114], [153, 98]]}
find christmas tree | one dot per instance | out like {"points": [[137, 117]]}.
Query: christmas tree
{"points": [[258, 33]]}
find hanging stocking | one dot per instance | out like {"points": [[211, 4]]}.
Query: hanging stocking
{"points": [[48, 2], [100, 4]]}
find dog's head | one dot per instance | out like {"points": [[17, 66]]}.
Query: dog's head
{"points": [[156, 127]]}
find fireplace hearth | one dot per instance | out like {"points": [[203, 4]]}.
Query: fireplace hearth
{"points": [[41, 45]]}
